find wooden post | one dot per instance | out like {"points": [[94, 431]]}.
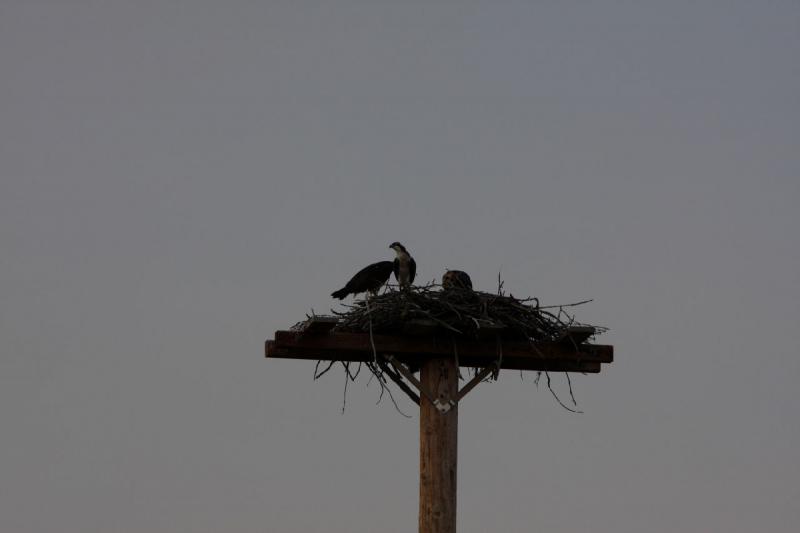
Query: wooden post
{"points": [[438, 385], [438, 447]]}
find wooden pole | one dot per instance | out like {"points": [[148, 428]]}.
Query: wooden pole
{"points": [[438, 386], [438, 447]]}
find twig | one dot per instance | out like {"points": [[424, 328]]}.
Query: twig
{"points": [[569, 383], [496, 371], [547, 374], [320, 374], [344, 396], [567, 305], [371, 340]]}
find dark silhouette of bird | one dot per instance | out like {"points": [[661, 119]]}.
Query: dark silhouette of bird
{"points": [[456, 279], [405, 268], [369, 279]]}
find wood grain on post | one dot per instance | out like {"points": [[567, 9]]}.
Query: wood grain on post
{"points": [[438, 448]]}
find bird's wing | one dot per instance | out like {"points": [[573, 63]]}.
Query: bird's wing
{"points": [[370, 276], [383, 270], [412, 269]]}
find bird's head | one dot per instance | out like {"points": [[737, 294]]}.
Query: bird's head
{"points": [[397, 247]]}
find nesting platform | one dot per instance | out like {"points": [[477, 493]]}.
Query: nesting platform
{"points": [[315, 339]]}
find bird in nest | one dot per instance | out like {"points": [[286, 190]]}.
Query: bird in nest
{"points": [[456, 279], [372, 277], [404, 266]]}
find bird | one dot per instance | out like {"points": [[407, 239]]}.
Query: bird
{"points": [[456, 279], [370, 278], [405, 268]]}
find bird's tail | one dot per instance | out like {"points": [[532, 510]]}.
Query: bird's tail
{"points": [[341, 293]]}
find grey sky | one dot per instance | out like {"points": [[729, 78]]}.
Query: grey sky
{"points": [[180, 179]]}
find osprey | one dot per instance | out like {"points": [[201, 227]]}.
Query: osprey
{"points": [[405, 268], [456, 279], [370, 278]]}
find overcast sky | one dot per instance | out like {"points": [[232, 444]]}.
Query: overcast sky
{"points": [[178, 180]]}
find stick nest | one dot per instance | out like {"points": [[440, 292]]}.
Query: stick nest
{"points": [[460, 311]]}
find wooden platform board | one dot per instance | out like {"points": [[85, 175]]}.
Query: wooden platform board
{"points": [[315, 341]]}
